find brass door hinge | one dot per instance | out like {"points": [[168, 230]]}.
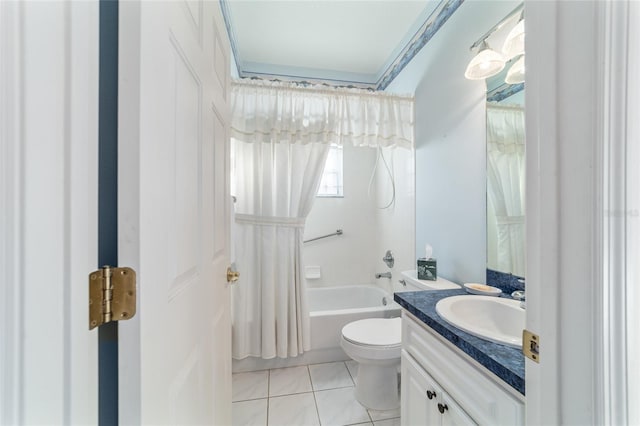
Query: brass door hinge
{"points": [[531, 345], [112, 295]]}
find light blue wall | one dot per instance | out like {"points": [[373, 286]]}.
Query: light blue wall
{"points": [[232, 65], [450, 143]]}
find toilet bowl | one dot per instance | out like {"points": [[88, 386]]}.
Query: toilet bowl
{"points": [[375, 344]]}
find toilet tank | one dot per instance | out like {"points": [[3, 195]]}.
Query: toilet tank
{"points": [[412, 283]]}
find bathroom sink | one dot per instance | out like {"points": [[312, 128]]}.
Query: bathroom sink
{"points": [[497, 319]]}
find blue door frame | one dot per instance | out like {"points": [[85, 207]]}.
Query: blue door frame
{"points": [[108, 203]]}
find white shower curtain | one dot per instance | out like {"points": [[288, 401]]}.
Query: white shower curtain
{"points": [[276, 189], [281, 134], [506, 180]]}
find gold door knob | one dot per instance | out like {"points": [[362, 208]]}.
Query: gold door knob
{"points": [[232, 276]]}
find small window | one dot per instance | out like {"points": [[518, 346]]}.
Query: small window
{"points": [[331, 183]]}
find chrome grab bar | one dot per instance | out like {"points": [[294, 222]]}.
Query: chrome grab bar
{"points": [[338, 232]]}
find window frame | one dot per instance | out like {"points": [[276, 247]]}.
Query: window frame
{"points": [[339, 172]]}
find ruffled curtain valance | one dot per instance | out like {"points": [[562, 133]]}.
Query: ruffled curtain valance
{"points": [[265, 111]]}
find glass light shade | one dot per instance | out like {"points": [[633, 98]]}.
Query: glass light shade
{"points": [[485, 64], [515, 74], [514, 43]]}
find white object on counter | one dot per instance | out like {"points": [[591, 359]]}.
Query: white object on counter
{"points": [[485, 290], [428, 251]]}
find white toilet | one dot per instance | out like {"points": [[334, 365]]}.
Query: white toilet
{"points": [[375, 344]]}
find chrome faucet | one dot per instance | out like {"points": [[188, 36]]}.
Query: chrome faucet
{"points": [[519, 295], [383, 275], [388, 259]]}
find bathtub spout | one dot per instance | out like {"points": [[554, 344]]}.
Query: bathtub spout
{"points": [[383, 275]]}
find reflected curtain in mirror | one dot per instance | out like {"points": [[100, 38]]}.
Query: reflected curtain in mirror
{"points": [[506, 187]]}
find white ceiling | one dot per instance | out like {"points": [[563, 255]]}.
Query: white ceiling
{"points": [[357, 42]]}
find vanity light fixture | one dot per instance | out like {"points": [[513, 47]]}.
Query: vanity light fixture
{"points": [[514, 43], [486, 63], [515, 74]]}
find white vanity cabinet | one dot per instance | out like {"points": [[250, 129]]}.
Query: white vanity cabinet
{"points": [[424, 402], [443, 386]]}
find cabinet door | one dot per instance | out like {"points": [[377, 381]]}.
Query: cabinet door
{"points": [[483, 396], [453, 414], [420, 395]]}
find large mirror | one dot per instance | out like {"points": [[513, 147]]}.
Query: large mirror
{"points": [[505, 176]]}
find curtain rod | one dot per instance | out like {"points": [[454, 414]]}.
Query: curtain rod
{"points": [[492, 105], [330, 89]]}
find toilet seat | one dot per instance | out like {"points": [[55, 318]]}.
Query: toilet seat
{"points": [[385, 332]]}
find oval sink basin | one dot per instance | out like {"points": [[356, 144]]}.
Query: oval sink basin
{"points": [[497, 319]]}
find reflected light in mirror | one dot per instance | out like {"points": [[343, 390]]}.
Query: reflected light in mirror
{"points": [[515, 74], [514, 43]]}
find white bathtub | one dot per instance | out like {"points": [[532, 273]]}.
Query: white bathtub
{"points": [[331, 308]]}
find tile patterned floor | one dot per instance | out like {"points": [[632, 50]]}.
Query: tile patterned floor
{"points": [[313, 395]]}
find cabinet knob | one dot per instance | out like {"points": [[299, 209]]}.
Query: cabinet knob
{"points": [[431, 394], [442, 408]]}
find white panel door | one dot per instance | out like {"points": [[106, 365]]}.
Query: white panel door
{"points": [[48, 211], [175, 357]]}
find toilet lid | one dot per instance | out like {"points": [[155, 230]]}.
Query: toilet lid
{"points": [[374, 331]]}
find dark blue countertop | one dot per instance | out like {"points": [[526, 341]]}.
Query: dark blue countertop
{"points": [[505, 362]]}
